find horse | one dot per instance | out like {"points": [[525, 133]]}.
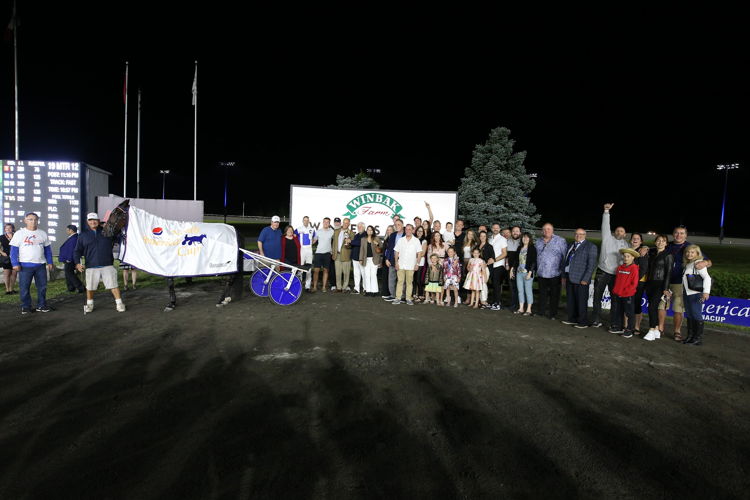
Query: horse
{"points": [[116, 224]]}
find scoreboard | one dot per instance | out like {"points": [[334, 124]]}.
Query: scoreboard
{"points": [[51, 189]]}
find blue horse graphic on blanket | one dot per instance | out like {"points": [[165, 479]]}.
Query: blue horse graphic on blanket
{"points": [[189, 240]]}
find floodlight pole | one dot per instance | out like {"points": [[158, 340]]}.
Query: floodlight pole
{"points": [[726, 168]]}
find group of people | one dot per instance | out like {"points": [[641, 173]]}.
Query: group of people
{"points": [[29, 256], [421, 262]]}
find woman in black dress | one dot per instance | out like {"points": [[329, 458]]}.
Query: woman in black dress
{"points": [[9, 274]]}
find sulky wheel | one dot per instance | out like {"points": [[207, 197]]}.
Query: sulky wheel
{"points": [[258, 282], [278, 289]]}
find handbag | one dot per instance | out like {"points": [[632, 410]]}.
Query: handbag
{"points": [[695, 281]]}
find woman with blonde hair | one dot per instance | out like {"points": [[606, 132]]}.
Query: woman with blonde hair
{"points": [[696, 286]]}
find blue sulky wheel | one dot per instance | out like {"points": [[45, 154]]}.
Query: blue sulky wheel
{"points": [[284, 297], [258, 282]]}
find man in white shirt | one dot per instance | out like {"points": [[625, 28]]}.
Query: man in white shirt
{"points": [[322, 256], [500, 245], [29, 252], [407, 252], [307, 238]]}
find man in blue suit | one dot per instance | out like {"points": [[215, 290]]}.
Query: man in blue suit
{"points": [[577, 268]]}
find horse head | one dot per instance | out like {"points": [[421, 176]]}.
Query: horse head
{"points": [[117, 219]]}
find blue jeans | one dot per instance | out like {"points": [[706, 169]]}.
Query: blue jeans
{"points": [[39, 274], [693, 306], [525, 294]]}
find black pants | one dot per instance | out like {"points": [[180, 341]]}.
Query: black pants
{"points": [[578, 298], [71, 279], [603, 280], [653, 293], [513, 293], [383, 279], [549, 296], [498, 276], [620, 306]]}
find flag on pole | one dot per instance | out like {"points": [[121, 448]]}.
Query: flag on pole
{"points": [[12, 25], [195, 85]]}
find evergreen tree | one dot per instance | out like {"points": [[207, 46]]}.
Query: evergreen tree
{"points": [[496, 187], [359, 181]]}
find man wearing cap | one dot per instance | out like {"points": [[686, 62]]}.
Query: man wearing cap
{"points": [[97, 250], [66, 257], [29, 251], [269, 241]]}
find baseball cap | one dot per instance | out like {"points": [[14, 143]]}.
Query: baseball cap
{"points": [[275, 218], [337, 219], [92, 215]]}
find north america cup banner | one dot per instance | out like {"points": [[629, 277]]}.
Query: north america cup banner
{"points": [[374, 207], [175, 248]]}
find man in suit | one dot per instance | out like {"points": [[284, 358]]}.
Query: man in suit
{"points": [[577, 268], [342, 255]]}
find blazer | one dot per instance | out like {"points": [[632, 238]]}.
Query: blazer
{"points": [[377, 258], [346, 250], [582, 263]]}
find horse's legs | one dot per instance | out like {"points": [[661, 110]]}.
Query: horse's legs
{"points": [[172, 296]]}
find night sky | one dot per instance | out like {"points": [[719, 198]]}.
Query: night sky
{"points": [[631, 107]]}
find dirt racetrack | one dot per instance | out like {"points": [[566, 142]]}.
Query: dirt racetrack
{"points": [[344, 396]]}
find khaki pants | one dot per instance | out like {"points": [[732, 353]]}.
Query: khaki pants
{"points": [[404, 277], [342, 270]]}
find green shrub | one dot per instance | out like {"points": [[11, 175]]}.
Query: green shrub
{"points": [[728, 284]]}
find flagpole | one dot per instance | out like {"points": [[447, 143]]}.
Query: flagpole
{"points": [[125, 155], [15, 75], [195, 133], [138, 151]]}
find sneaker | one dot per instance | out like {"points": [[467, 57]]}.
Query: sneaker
{"points": [[580, 326], [649, 336], [564, 322], [409, 303], [396, 302], [389, 298], [615, 330], [496, 307], [121, 307], [459, 300], [596, 324], [657, 333], [333, 288], [88, 308], [25, 310], [356, 292], [43, 309], [626, 334]]}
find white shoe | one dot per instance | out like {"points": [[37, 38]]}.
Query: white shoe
{"points": [[657, 333], [120, 307], [88, 308], [649, 336], [459, 300]]}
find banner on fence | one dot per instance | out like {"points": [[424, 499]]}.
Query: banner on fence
{"points": [[716, 309]]}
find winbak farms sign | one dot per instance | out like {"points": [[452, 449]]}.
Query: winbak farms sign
{"points": [[375, 208], [367, 204]]}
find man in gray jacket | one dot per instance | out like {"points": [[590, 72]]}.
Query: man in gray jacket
{"points": [[577, 269], [609, 259]]}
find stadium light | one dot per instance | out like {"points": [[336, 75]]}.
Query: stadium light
{"points": [[163, 182], [726, 168], [226, 165]]}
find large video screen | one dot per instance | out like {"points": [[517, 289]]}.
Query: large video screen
{"points": [[52, 189]]}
